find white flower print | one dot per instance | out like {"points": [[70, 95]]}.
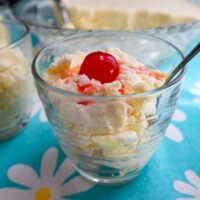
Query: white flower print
{"points": [[37, 107], [192, 189], [50, 185], [173, 132], [196, 92]]}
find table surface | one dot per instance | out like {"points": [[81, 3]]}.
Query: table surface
{"points": [[33, 166]]}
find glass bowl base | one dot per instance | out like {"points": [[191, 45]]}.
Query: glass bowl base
{"points": [[13, 130], [108, 181]]}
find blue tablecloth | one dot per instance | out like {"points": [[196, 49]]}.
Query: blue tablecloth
{"points": [[33, 166]]}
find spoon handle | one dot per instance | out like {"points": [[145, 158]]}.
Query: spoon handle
{"points": [[183, 63]]}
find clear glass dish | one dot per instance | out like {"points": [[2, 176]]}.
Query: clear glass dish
{"points": [[15, 77], [83, 131], [46, 23]]}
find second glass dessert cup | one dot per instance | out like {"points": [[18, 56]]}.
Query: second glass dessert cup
{"points": [[16, 85], [106, 142]]}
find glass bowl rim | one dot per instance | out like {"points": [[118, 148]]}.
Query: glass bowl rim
{"points": [[15, 43], [159, 90]]}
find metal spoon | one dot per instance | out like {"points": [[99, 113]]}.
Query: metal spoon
{"points": [[183, 63]]}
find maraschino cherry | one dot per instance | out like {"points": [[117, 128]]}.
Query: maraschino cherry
{"points": [[100, 66]]}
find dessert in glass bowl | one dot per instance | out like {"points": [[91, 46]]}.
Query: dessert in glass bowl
{"points": [[177, 21], [15, 78], [129, 14], [104, 96]]}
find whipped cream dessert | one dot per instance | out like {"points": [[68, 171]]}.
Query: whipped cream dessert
{"points": [[129, 14], [15, 87], [106, 128]]}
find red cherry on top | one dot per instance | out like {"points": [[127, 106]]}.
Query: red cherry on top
{"points": [[100, 66]]}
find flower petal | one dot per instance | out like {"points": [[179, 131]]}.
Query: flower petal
{"points": [[43, 117], [185, 188], [174, 133], [64, 171], [75, 185], [195, 92], [193, 178], [196, 100], [179, 116], [15, 194], [48, 163], [197, 84], [23, 175]]}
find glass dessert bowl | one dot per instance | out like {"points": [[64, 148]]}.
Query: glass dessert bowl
{"points": [[108, 134], [15, 77], [54, 19]]}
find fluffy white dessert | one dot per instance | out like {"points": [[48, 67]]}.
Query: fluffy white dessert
{"points": [[107, 128], [14, 87], [129, 14]]}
